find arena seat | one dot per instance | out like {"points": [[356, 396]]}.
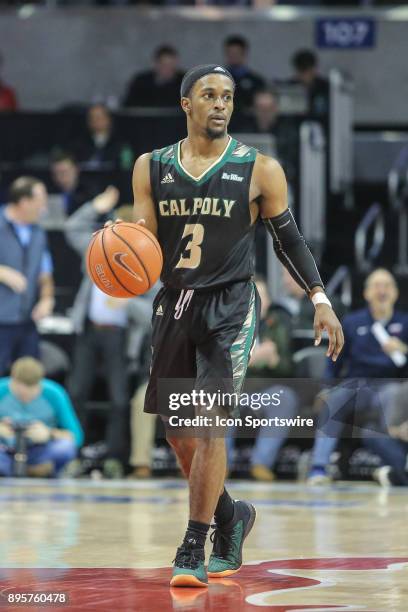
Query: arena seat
{"points": [[54, 359], [310, 362]]}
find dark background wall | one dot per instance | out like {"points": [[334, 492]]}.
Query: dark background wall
{"points": [[73, 55]]}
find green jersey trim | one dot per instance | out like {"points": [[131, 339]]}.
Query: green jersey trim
{"points": [[165, 155], [242, 154], [210, 171], [241, 347]]}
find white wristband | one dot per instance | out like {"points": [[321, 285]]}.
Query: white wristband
{"points": [[320, 298]]}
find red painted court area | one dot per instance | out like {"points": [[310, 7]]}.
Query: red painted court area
{"points": [[255, 587]]}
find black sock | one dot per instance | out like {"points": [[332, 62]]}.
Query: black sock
{"points": [[196, 534], [225, 509]]}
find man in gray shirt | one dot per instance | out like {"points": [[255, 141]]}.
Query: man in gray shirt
{"points": [[26, 283], [103, 327]]}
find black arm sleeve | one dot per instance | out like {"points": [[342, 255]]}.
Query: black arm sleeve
{"points": [[292, 250]]}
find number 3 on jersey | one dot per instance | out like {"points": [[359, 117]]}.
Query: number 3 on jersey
{"points": [[193, 249]]}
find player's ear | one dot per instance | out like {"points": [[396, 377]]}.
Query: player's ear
{"points": [[186, 105]]}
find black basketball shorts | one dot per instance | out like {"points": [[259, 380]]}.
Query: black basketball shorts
{"points": [[201, 341]]}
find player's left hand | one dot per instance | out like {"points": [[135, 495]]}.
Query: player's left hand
{"points": [[42, 309], [325, 319]]}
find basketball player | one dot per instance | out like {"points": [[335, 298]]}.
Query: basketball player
{"points": [[201, 197]]}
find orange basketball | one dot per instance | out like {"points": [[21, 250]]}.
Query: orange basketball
{"points": [[124, 260]]}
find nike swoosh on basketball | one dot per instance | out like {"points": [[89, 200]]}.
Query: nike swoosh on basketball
{"points": [[118, 259]]}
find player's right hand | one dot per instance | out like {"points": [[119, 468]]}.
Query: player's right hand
{"points": [[13, 279]]}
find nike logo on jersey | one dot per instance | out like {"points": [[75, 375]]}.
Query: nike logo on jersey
{"points": [[167, 179], [216, 207], [118, 258], [232, 177]]}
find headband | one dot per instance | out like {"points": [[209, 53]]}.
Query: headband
{"points": [[198, 72]]}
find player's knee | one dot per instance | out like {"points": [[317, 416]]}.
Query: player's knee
{"points": [[211, 444], [182, 446]]}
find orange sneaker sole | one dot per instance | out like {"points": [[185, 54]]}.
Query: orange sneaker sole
{"points": [[186, 580], [223, 574]]}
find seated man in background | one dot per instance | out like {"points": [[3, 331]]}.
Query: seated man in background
{"points": [[68, 183], [26, 281], [159, 87], [296, 303], [265, 119], [392, 449], [306, 65], [106, 329], [247, 82], [366, 355], [52, 431], [271, 358], [101, 147]]}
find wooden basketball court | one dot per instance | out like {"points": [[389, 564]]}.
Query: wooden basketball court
{"points": [[109, 546]]}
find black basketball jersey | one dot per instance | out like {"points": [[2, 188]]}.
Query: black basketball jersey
{"points": [[204, 223]]}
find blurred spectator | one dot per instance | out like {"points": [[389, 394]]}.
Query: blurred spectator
{"points": [[296, 303], [8, 99], [159, 87], [143, 426], [236, 50], [101, 148], [41, 410], [306, 66], [265, 119], [364, 357], [68, 183], [26, 283], [263, 116], [392, 448], [265, 112], [102, 325], [271, 358]]}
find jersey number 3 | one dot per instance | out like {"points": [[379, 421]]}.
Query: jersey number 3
{"points": [[192, 249]]}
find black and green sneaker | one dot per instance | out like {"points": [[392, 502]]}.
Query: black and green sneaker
{"points": [[226, 556], [189, 569]]}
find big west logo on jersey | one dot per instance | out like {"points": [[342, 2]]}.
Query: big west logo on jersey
{"points": [[283, 585], [217, 207]]}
